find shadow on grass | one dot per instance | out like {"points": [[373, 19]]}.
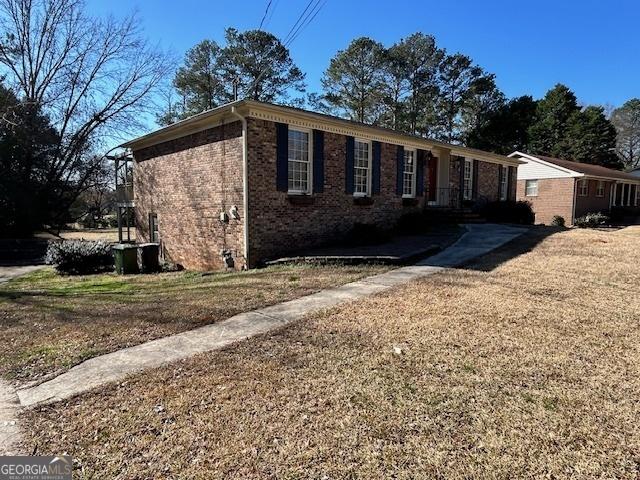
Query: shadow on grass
{"points": [[521, 245]]}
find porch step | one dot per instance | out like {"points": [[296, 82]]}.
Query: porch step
{"points": [[451, 215]]}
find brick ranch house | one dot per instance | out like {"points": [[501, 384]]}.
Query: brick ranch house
{"points": [[250, 181], [572, 189]]}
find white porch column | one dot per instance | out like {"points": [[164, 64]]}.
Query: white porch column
{"points": [[628, 185], [444, 159], [612, 195]]}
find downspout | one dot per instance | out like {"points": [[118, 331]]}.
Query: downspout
{"points": [[575, 199], [245, 183]]}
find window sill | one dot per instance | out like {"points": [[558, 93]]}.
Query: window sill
{"points": [[300, 199], [361, 200], [409, 201]]}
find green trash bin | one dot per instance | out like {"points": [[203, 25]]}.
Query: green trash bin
{"points": [[126, 258], [149, 257]]}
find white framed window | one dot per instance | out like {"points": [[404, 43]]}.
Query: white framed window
{"points": [[504, 182], [467, 185], [583, 188], [600, 189], [362, 168], [409, 174], [531, 188], [299, 161]]}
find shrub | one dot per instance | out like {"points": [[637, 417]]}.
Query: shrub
{"points": [[413, 223], [509, 212], [558, 221], [591, 220], [367, 234], [80, 257]]}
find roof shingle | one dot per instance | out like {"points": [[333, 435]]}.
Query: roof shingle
{"points": [[588, 169]]}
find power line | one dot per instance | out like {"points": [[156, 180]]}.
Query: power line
{"points": [[265, 14], [286, 38], [302, 22], [270, 16], [308, 19]]}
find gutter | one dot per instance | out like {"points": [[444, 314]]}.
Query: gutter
{"points": [[245, 183]]}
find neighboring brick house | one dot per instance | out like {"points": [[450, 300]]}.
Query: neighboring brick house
{"points": [[250, 181], [572, 189]]}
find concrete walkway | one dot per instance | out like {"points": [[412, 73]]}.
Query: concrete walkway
{"points": [[9, 429], [14, 271], [479, 240]]}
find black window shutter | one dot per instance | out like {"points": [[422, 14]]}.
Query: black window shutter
{"points": [[399, 169], [348, 165], [511, 175], [318, 161], [375, 172], [462, 162], [474, 178], [500, 182], [282, 157], [420, 173]]}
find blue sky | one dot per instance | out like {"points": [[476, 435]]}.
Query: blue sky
{"points": [[590, 45]]}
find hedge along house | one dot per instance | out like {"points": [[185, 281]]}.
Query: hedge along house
{"points": [[572, 189], [250, 181]]}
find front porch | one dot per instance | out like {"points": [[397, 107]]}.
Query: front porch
{"points": [[625, 194]]}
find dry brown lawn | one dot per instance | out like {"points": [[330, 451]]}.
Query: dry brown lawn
{"points": [[106, 234], [517, 367], [50, 322]]}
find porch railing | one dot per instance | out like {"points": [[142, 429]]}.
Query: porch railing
{"points": [[124, 193], [449, 197]]}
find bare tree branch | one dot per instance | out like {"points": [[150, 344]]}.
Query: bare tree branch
{"points": [[94, 78]]}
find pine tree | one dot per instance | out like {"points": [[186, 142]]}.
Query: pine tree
{"points": [[354, 82], [590, 138], [253, 63], [547, 134]]}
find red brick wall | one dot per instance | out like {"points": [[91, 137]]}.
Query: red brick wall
{"points": [[488, 179], [188, 182], [278, 227], [591, 203], [455, 164], [555, 197], [488, 184]]}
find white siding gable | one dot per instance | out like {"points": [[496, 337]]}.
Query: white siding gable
{"points": [[534, 168]]}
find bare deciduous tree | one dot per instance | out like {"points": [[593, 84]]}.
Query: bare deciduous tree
{"points": [[626, 119], [94, 78]]}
